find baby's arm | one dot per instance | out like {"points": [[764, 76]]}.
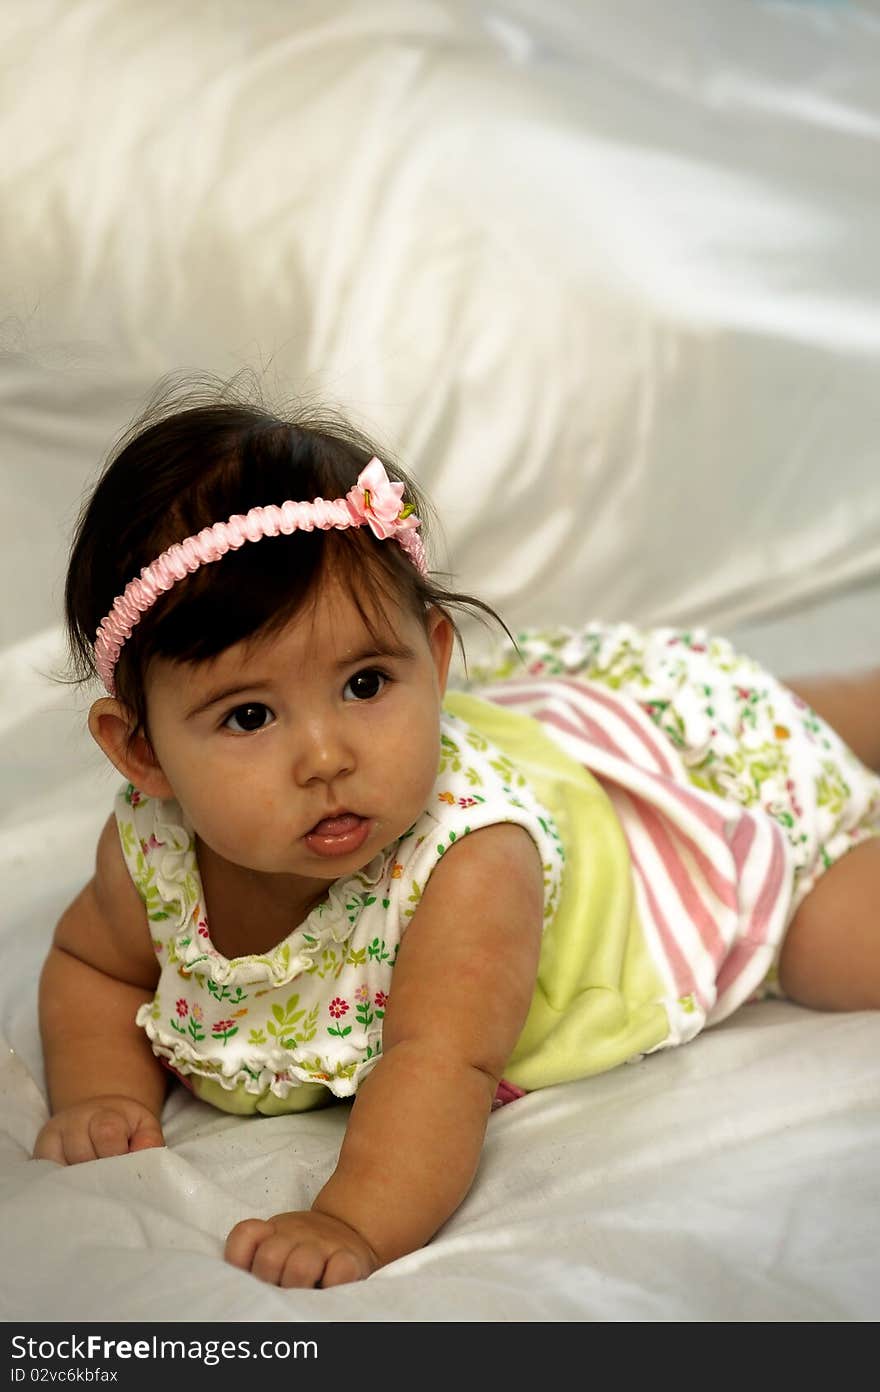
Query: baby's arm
{"points": [[106, 1088], [461, 991]]}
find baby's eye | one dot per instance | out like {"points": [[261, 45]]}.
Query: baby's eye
{"points": [[364, 685], [245, 719]]}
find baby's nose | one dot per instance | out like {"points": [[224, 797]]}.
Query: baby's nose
{"points": [[323, 752]]}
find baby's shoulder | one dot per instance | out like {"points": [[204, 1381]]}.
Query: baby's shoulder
{"points": [[478, 785]]}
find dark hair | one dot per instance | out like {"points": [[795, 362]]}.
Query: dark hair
{"points": [[197, 455]]}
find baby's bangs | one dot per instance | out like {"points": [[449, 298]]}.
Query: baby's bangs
{"points": [[258, 590], [378, 577], [263, 584]]}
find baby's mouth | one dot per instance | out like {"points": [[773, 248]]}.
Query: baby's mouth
{"points": [[336, 826], [339, 835]]}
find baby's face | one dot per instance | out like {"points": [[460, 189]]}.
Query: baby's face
{"points": [[309, 752]]}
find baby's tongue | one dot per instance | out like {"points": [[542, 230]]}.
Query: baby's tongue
{"points": [[336, 826]]}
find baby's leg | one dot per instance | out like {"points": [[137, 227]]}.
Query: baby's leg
{"points": [[851, 706], [830, 958]]}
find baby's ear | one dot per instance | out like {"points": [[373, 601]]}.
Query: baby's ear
{"points": [[441, 636], [111, 725]]}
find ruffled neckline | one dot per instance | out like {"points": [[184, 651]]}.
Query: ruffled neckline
{"points": [[172, 857]]}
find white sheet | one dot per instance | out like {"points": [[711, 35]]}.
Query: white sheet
{"points": [[606, 276], [733, 1180]]}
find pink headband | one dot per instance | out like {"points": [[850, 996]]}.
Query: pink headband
{"points": [[374, 502]]}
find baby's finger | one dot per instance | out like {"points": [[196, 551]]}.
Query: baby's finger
{"points": [[342, 1268], [303, 1268], [147, 1135], [271, 1258], [243, 1241], [50, 1146], [108, 1133], [78, 1146]]}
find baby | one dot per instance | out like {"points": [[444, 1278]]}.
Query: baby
{"points": [[325, 876]]}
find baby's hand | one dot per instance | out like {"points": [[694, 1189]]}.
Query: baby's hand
{"points": [[96, 1129], [301, 1249]]}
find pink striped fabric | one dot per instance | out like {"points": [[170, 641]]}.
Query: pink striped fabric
{"points": [[712, 879]]}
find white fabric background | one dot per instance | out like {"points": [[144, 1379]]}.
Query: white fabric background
{"points": [[606, 279]]}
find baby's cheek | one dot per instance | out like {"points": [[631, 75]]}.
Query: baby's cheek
{"points": [[409, 779]]}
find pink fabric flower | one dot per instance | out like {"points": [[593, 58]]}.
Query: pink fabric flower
{"points": [[379, 502]]}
